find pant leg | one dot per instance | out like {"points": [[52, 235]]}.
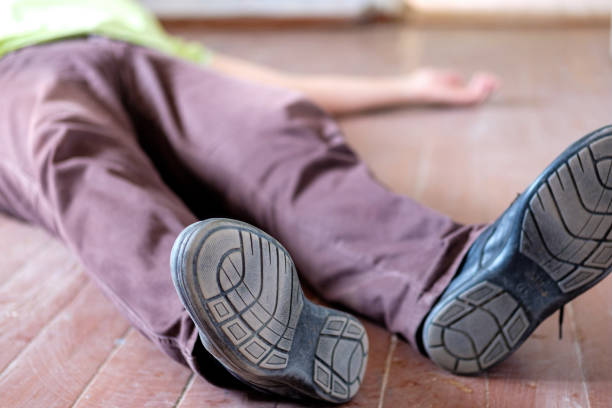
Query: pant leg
{"points": [[70, 161], [282, 163]]}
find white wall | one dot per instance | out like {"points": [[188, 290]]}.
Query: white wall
{"points": [[573, 8], [271, 8]]}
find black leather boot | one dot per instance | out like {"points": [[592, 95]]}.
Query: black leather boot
{"points": [[551, 245]]}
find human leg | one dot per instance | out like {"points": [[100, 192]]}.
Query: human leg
{"points": [[282, 164], [279, 161], [73, 163], [70, 162]]}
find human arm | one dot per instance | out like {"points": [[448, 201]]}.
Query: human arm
{"points": [[340, 94]]}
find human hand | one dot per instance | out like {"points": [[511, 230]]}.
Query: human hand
{"points": [[449, 88]]}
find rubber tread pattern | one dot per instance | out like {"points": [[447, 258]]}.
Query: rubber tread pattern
{"points": [[566, 229], [478, 328], [258, 316], [341, 357]]}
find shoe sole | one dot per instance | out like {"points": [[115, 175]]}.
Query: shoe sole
{"points": [[241, 288], [565, 230]]}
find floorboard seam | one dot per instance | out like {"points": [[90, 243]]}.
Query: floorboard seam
{"points": [[45, 326], [186, 388], [487, 395], [114, 350], [578, 349], [388, 362]]}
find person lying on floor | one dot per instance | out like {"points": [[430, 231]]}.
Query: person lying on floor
{"points": [[118, 138]]}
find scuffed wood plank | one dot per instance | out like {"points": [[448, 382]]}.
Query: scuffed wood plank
{"points": [[202, 393], [414, 381], [592, 314], [56, 366], [542, 372], [137, 375], [39, 289], [19, 242]]}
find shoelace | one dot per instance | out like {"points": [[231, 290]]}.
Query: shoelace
{"points": [[561, 322]]}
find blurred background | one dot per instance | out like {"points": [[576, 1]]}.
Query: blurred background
{"points": [[485, 11], [552, 57]]}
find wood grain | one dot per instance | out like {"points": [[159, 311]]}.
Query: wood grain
{"points": [[57, 365], [36, 293], [19, 242], [63, 342], [415, 382], [135, 375], [593, 322], [545, 371]]}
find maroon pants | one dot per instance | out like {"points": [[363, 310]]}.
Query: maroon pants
{"points": [[115, 149]]}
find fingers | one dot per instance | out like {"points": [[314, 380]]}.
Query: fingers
{"points": [[482, 85], [452, 78], [484, 82], [477, 90], [449, 87]]}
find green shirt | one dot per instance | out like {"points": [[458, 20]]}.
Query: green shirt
{"points": [[28, 22]]}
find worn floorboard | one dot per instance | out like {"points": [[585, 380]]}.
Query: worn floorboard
{"points": [[64, 344], [56, 366], [543, 372], [19, 242], [593, 318], [414, 382], [35, 293], [135, 375]]}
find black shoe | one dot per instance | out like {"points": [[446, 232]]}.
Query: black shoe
{"points": [[552, 244], [242, 291]]}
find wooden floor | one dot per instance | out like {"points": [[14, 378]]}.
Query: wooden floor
{"points": [[63, 344]]}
